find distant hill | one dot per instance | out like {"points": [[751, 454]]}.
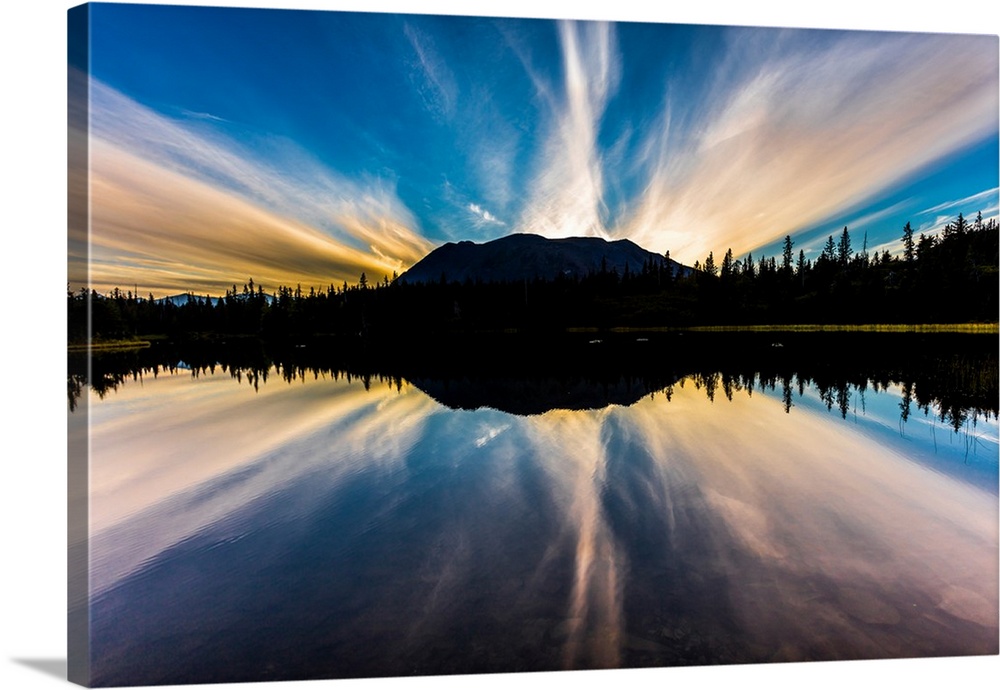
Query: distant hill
{"points": [[182, 299], [526, 257]]}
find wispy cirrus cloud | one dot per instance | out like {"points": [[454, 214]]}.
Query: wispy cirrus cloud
{"points": [[436, 83], [167, 232], [790, 130], [202, 116], [564, 129], [987, 201], [794, 134], [567, 195], [177, 206], [484, 216], [933, 220]]}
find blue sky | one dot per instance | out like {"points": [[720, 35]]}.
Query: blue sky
{"points": [[35, 79], [298, 146]]}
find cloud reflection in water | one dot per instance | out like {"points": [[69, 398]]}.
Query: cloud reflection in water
{"points": [[385, 533]]}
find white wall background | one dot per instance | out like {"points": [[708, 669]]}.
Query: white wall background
{"points": [[32, 392]]}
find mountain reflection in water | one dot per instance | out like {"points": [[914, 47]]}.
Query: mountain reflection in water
{"points": [[292, 516]]}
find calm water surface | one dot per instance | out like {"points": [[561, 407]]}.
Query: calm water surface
{"points": [[259, 523]]}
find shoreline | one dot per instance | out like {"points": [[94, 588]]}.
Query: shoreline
{"points": [[968, 328]]}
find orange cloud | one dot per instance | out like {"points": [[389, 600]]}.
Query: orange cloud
{"points": [[173, 210]]}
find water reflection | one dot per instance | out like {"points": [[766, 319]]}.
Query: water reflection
{"points": [[282, 519], [956, 374]]}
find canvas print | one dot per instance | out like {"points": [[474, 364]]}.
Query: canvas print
{"points": [[424, 345]]}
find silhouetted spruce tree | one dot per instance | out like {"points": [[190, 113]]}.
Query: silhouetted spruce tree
{"points": [[829, 252], [908, 245], [924, 245], [961, 225], [710, 268], [667, 276], [727, 265], [844, 248]]}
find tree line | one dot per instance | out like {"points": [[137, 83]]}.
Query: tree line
{"points": [[951, 376], [950, 277]]}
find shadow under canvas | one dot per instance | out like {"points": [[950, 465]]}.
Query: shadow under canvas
{"points": [[50, 667]]}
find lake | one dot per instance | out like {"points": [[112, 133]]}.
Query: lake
{"points": [[594, 501]]}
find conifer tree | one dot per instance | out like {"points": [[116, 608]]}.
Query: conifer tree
{"points": [[908, 243], [710, 268], [727, 264], [829, 250], [844, 248]]}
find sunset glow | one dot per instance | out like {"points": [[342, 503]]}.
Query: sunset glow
{"points": [[357, 143]]}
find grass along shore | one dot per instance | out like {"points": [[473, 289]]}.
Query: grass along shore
{"points": [[984, 328], [977, 328], [858, 328], [131, 344]]}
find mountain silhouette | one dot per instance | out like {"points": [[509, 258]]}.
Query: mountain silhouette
{"points": [[535, 395], [527, 257]]}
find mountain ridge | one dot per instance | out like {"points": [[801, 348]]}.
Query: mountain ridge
{"points": [[523, 256]]}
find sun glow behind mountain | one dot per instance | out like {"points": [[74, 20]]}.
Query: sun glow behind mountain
{"points": [[358, 142]]}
